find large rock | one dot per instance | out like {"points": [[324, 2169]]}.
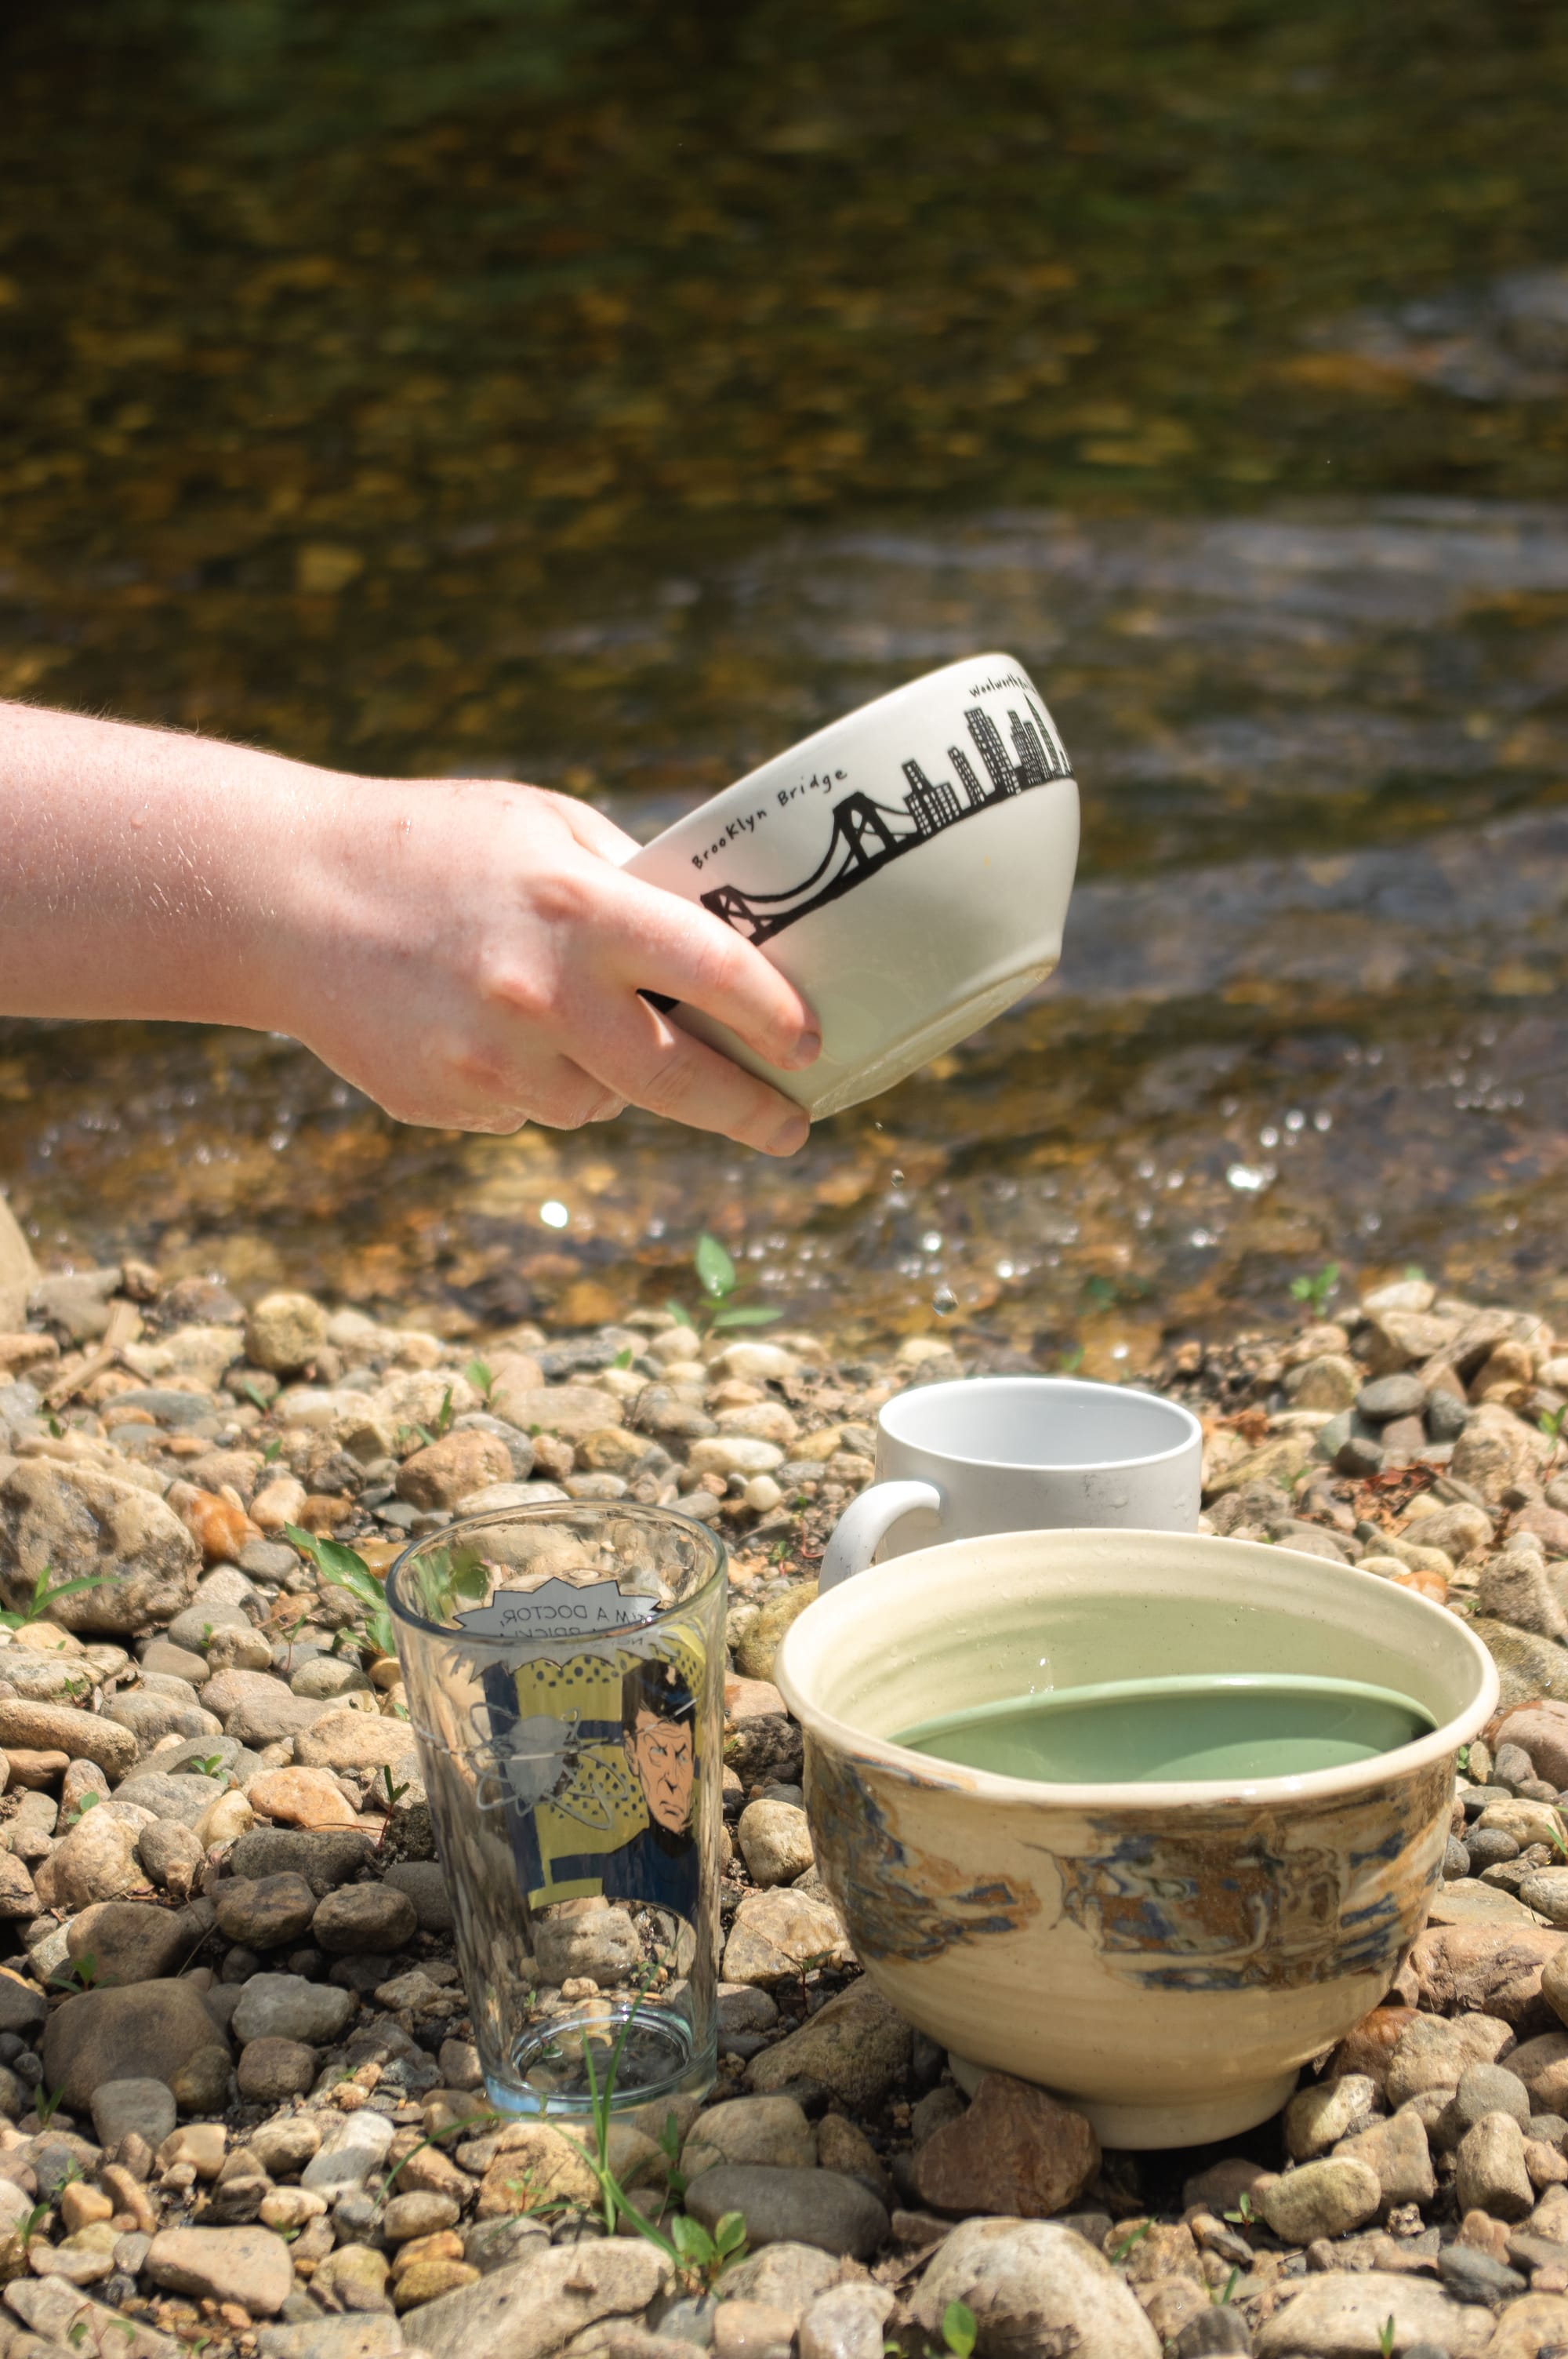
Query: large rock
{"points": [[856, 2047], [324, 1856], [573, 1412], [1528, 1667], [534, 2306], [1396, 2152], [1345, 2317], [1015, 2151], [825, 2208], [1033, 2288], [748, 2129], [83, 1524], [18, 1271], [1321, 2198], [250, 2266], [154, 2030], [1489, 2170], [32, 1727]]}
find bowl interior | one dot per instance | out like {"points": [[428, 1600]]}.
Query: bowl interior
{"points": [[946, 1628]]}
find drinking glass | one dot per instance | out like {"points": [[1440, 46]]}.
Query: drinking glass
{"points": [[564, 1665]]}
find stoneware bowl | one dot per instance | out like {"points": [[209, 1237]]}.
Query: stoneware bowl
{"points": [[908, 867], [1163, 1957]]}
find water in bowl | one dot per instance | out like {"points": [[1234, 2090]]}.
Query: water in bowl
{"points": [[1233, 1725]]}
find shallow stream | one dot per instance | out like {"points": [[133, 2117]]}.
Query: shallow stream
{"points": [[549, 391]]}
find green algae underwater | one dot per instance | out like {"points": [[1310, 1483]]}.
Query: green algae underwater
{"points": [[606, 396]]}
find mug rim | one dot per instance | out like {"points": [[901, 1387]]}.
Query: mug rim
{"points": [[880, 1585], [1192, 1436], [713, 805]]}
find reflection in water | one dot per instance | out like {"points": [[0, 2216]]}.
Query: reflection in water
{"points": [[606, 394]]}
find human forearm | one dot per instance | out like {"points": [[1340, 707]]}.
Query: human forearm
{"points": [[144, 872], [469, 951]]}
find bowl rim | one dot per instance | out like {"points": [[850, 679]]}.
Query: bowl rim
{"points": [[879, 1585], [1191, 1434], [810, 749]]}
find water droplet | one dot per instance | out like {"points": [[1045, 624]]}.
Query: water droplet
{"points": [[555, 1215], [943, 1302]]}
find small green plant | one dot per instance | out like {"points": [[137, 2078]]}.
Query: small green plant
{"points": [[393, 1793], [1550, 1422], [1220, 2296], [207, 1765], [80, 1973], [1067, 1362], [254, 1394], [1317, 1292], [44, 1597], [1133, 2238], [346, 1567], [55, 1427], [1386, 2337], [1463, 1759], [959, 2329], [273, 1452], [700, 2257], [720, 1279], [46, 2103], [1243, 2216], [89, 1801], [1414, 1272], [77, 2334], [623, 1358], [481, 1376], [444, 1415]]}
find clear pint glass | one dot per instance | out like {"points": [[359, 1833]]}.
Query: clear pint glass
{"points": [[564, 1665]]}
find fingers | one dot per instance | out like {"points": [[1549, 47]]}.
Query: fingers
{"points": [[684, 953], [653, 1063]]}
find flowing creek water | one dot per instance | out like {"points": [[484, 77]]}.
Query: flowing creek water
{"points": [[461, 434]]}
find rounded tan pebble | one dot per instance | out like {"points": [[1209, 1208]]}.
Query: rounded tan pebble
{"points": [[300, 1798], [290, 2207], [270, 2070], [427, 2280], [285, 1333], [417, 2215]]}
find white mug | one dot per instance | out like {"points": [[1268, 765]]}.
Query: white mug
{"points": [[908, 868], [1018, 1455]]}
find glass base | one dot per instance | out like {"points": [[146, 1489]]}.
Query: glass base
{"points": [[658, 2063]]}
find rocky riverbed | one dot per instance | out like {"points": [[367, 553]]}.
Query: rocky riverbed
{"points": [[238, 2102]]}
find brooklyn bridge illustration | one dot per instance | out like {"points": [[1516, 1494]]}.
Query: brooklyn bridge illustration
{"points": [[867, 834]]}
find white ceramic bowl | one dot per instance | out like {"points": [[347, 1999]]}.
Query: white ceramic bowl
{"points": [[1165, 1956], [908, 867]]}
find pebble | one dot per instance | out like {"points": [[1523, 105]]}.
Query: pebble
{"points": [[749, 2129], [358, 1918], [144, 2108], [266, 1912], [1320, 2115], [249, 2265], [777, 1934], [806, 2207], [775, 1841], [1326, 2197], [1034, 2286], [1014, 2151], [1489, 2168], [856, 2047], [288, 2006], [351, 2147], [161, 2026]]}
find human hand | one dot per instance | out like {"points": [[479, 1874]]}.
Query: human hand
{"points": [[470, 953]]}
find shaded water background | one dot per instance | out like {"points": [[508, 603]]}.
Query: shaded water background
{"points": [[607, 395]]}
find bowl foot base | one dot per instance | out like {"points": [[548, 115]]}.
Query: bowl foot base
{"points": [[1191, 2121]]}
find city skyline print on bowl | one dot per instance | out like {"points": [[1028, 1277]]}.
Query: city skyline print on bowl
{"points": [[866, 833]]}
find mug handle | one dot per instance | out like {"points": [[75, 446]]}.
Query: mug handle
{"points": [[863, 1526]]}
